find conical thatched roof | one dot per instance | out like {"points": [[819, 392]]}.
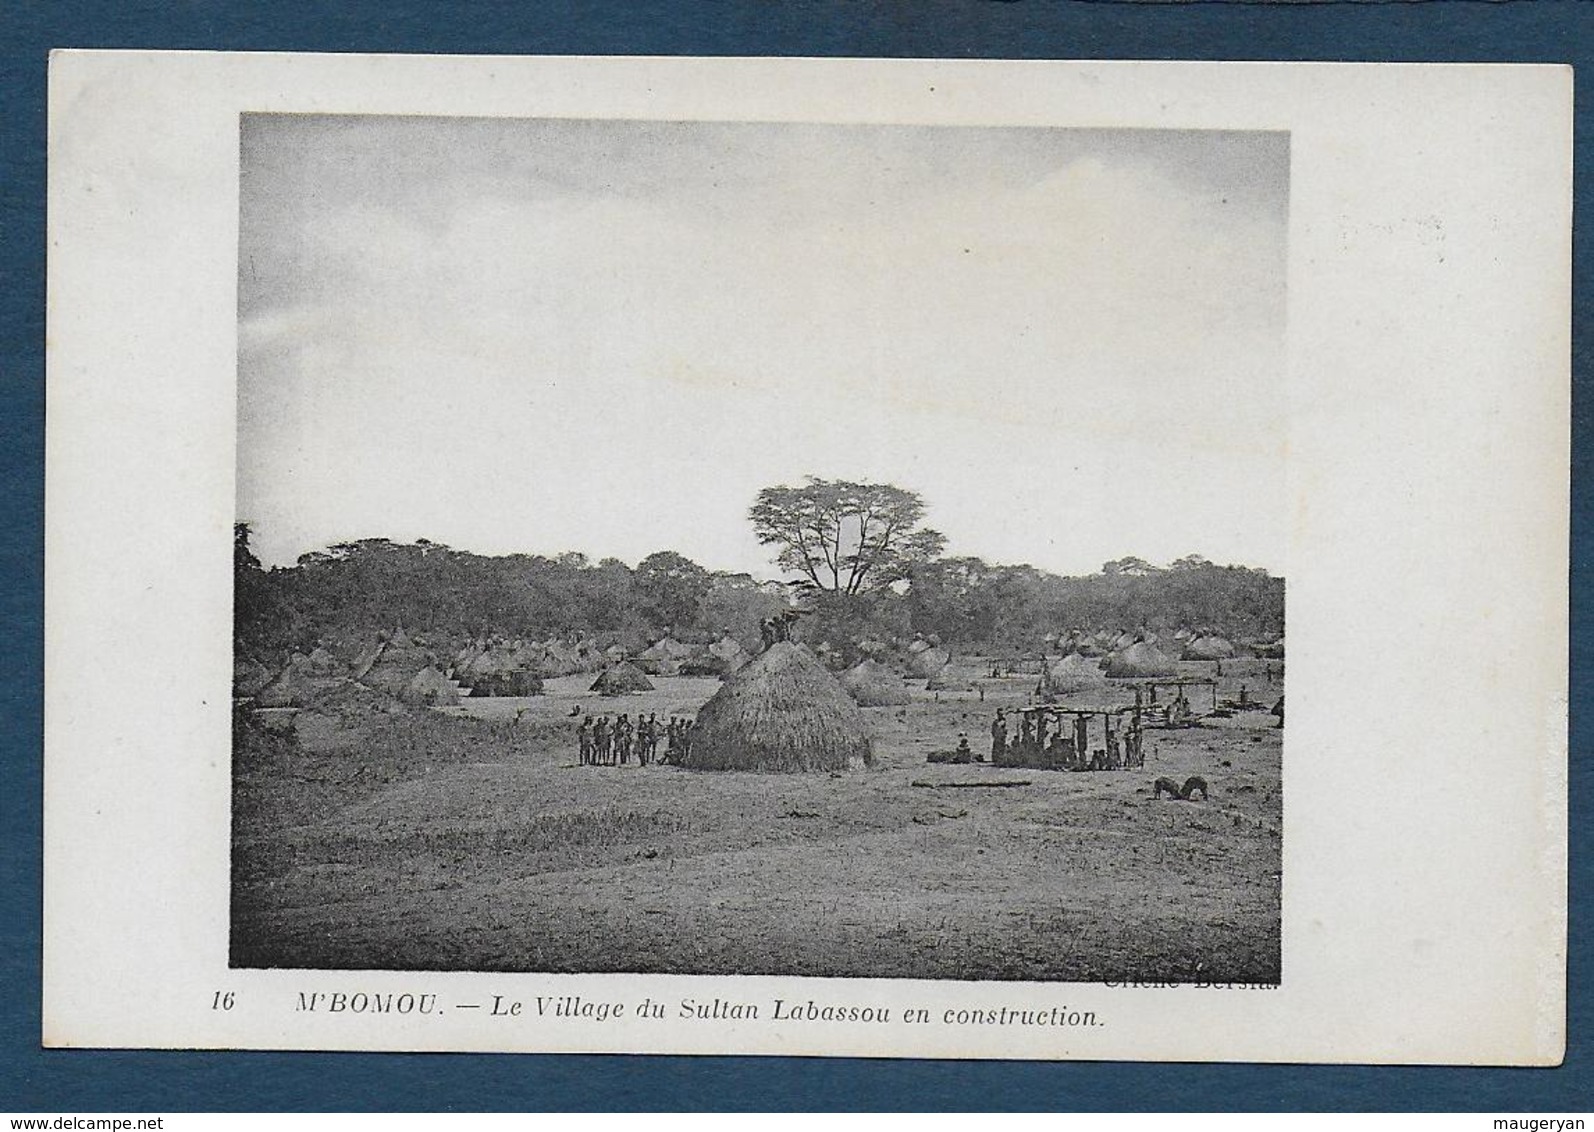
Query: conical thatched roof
{"points": [[397, 665], [783, 712], [621, 678], [490, 657], [1139, 659], [429, 687], [526, 655], [872, 684], [1073, 673], [729, 654], [666, 648], [1208, 648], [928, 661], [664, 656], [558, 658]]}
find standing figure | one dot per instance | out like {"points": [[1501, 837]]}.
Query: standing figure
{"points": [[1081, 741], [644, 741], [584, 739], [600, 739], [1026, 732], [999, 737], [622, 738]]}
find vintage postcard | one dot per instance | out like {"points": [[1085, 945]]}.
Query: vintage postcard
{"points": [[796, 557]]}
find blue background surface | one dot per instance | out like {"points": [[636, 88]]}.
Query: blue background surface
{"points": [[82, 1081]]}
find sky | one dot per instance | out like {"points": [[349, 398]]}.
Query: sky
{"points": [[540, 335]]}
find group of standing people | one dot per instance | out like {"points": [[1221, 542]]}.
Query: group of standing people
{"points": [[602, 742], [1040, 742]]}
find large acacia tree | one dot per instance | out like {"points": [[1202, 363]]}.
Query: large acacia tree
{"points": [[844, 537]]}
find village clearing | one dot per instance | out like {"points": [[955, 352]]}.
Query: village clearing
{"points": [[469, 838]]}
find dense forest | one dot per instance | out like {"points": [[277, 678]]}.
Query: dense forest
{"points": [[351, 590]]}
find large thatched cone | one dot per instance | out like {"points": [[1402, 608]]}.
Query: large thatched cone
{"points": [[925, 663], [1073, 673], [783, 712], [429, 687], [1139, 659], [400, 660], [1208, 648], [872, 684], [618, 679]]}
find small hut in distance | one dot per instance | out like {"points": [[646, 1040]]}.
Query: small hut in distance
{"points": [[872, 684], [621, 679]]}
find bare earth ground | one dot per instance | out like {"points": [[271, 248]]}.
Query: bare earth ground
{"points": [[477, 843]]}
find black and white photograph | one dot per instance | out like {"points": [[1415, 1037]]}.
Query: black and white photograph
{"points": [[792, 557], [759, 548]]}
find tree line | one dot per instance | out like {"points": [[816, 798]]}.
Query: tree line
{"points": [[864, 568]]}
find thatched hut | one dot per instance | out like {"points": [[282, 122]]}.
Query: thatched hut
{"points": [[664, 657], [928, 661], [512, 682], [429, 688], [1139, 660], [782, 712], [872, 684], [1208, 647], [620, 679], [1073, 673], [396, 665], [497, 656]]}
